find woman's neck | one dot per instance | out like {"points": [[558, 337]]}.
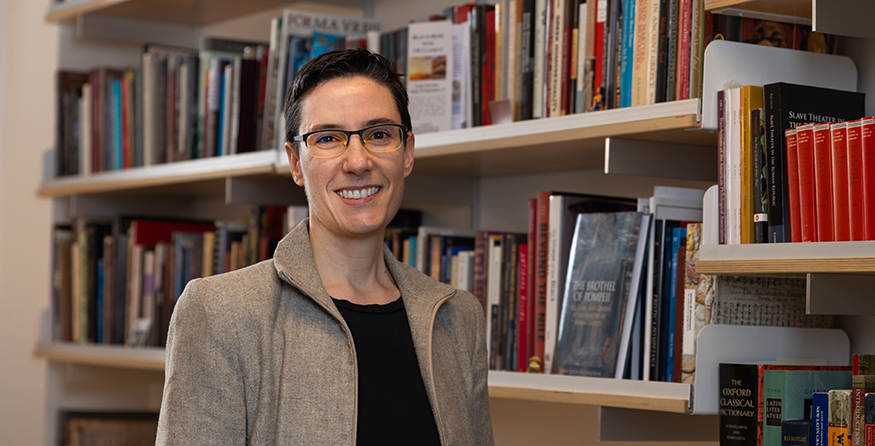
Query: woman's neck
{"points": [[353, 269]]}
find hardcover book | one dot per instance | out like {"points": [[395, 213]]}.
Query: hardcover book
{"points": [[837, 419], [823, 183], [604, 252], [796, 433], [787, 106], [839, 133]]}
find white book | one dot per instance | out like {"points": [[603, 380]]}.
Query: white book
{"points": [[493, 296], [556, 63], [429, 75], [465, 270], [461, 100]]}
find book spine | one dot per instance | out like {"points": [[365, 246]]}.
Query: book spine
{"points": [[837, 419], [541, 276], [823, 183], [721, 168], [531, 315], [738, 404], [868, 142], [805, 163], [819, 413], [682, 87], [860, 386], [540, 53], [796, 433], [627, 54], [672, 49], [527, 48], [598, 93], [522, 354], [760, 186], [778, 210], [655, 309], [793, 185], [839, 149], [751, 99], [855, 180], [660, 92]]}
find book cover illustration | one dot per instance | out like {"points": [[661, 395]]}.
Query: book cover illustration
{"points": [[599, 276], [699, 296]]}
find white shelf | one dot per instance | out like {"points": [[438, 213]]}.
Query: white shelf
{"points": [[181, 172]]}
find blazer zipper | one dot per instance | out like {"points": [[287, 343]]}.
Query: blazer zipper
{"points": [[355, 361], [437, 411]]}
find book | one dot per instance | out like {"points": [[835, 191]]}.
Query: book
{"points": [[751, 99], [867, 136], [838, 145], [788, 105], [429, 79], [738, 386], [819, 414], [805, 166], [698, 299], [563, 209], [860, 386], [837, 419], [793, 190], [785, 391], [69, 94], [759, 172], [796, 433], [854, 145], [823, 183], [597, 288]]}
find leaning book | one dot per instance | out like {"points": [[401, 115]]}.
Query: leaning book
{"points": [[600, 274]]}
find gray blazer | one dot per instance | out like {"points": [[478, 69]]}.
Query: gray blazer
{"points": [[262, 356]]}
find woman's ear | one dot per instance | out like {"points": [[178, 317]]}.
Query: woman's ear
{"points": [[408, 154], [294, 164]]}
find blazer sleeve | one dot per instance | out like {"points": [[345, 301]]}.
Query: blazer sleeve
{"points": [[480, 369], [204, 397]]}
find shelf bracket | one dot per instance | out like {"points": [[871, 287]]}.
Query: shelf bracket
{"points": [[841, 294], [659, 159]]}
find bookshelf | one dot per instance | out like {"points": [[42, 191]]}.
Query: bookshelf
{"points": [[541, 152]]}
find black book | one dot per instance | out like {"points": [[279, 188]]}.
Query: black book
{"points": [[796, 433], [671, 58], [664, 289], [69, 92], [738, 403], [787, 106], [662, 52], [613, 30], [760, 195], [527, 54]]}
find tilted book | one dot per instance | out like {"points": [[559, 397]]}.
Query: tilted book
{"points": [[599, 280]]}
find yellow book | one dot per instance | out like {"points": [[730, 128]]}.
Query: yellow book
{"points": [[751, 99]]}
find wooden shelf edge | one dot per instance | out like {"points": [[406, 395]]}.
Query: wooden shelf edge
{"points": [[70, 9], [145, 358], [788, 258], [178, 172], [654, 396], [800, 9]]}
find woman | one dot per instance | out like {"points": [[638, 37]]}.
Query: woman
{"points": [[333, 341]]}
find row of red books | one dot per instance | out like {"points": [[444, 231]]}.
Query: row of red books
{"points": [[831, 180]]}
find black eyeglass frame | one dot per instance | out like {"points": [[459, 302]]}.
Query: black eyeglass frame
{"points": [[349, 133]]}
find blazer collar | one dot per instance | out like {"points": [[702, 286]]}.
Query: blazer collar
{"points": [[295, 263]]}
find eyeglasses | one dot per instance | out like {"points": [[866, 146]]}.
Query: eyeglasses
{"points": [[380, 138]]}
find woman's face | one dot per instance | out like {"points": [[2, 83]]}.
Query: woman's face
{"points": [[351, 103]]}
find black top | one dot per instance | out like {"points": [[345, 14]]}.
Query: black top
{"points": [[393, 407]]}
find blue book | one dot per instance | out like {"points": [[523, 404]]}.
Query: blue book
{"points": [[220, 122], [677, 237], [114, 131], [819, 412], [627, 53], [796, 433]]}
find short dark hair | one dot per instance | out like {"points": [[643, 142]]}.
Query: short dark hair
{"points": [[338, 64]]}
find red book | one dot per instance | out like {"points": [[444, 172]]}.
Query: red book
{"points": [[823, 183], [489, 65], [530, 302], [840, 181], [805, 163], [683, 50], [522, 309], [599, 48], [868, 133], [855, 180], [461, 12], [793, 185], [540, 261]]}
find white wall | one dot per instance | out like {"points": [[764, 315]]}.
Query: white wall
{"points": [[28, 55]]}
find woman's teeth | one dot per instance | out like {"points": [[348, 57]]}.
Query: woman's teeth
{"points": [[358, 193]]}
